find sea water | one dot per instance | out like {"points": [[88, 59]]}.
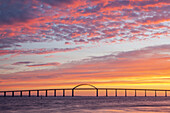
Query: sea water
{"points": [[85, 105]]}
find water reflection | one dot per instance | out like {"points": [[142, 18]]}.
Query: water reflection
{"points": [[85, 104]]}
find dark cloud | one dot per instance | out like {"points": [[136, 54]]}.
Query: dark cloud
{"points": [[149, 2], [20, 63], [95, 39], [118, 3], [38, 51], [57, 2], [80, 40], [44, 64], [23, 10], [8, 46], [15, 11], [4, 46]]}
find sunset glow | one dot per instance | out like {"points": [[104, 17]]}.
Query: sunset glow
{"points": [[62, 43]]}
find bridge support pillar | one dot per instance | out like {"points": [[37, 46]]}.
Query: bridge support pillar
{"points": [[125, 93], [96, 92], [63, 92], [106, 93], [4, 94], [165, 93], [54, 92], [72, 92], [12, 93], [37, 93], [135, 92], [46, 93], [155, 94], [115, 92], [29, 93], [145, 93], [20, 93]]}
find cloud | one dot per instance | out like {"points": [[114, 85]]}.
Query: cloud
{"points": [[18, 11], [57, 2], [44, 64], [4, 46], [21, 63], [82, 21], [38, 51]]}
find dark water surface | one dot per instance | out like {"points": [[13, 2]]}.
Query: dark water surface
{"points": [[85, 105]]}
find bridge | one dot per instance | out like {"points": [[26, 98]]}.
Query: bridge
{"points": [[77, 88]]}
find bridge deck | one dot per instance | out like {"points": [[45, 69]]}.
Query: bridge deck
{"points": [[86, 89], [76, 88]]}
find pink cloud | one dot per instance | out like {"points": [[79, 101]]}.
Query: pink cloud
{"points": [[97, 16]]}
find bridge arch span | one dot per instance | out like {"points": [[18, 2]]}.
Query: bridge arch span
{"points": [[84, 85]]}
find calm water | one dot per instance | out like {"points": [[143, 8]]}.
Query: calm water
{"points": [[85, 105]]}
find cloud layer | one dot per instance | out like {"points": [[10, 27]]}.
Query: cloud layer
{"points": [[82, 21], [136, 68], [37, 51], [68, 27]]}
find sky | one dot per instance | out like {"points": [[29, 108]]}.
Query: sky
{"points": [[62, 43]]}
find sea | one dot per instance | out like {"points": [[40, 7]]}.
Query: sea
{"points": [[85, 104]]}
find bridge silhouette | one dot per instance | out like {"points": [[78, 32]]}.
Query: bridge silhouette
{"points": [[77, 88]]}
